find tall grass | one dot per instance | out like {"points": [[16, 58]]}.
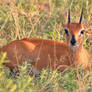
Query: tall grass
{"points": [[43, 19]]}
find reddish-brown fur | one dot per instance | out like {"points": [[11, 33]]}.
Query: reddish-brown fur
{"points": [[52, 54], [49, 52]]}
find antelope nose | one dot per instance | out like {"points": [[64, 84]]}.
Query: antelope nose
{"points": [[73, 41]]}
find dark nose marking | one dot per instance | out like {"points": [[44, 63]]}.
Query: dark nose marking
{"points": [[73, 41]]}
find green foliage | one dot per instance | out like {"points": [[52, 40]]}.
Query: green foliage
{"points": [[66, 82], [26, 18], [71, 80]]}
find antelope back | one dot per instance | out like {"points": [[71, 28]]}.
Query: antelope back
{"points": [[43, 53]]}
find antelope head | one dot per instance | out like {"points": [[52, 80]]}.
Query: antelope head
{"points": [[74, 32]]}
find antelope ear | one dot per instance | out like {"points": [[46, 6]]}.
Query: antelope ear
{"points": [[87, 26], [64, 25]]}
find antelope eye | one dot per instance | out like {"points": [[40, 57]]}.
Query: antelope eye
{"points": [[66, 32], [82, 31]]}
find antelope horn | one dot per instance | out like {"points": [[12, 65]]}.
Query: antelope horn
{"points": [[69, 16], [81, 16]]}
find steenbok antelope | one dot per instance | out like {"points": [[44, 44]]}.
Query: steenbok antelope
{"points": [[51, 54]]}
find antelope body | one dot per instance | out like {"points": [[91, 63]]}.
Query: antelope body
{"points": [[52, 54]]}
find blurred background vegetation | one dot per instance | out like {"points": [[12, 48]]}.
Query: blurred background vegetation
{"points": [[43, 19]]}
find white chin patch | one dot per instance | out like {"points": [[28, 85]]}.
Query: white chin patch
{"points": [[75, 47]]}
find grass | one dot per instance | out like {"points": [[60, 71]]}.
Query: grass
{"points": [[34, 19]]}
